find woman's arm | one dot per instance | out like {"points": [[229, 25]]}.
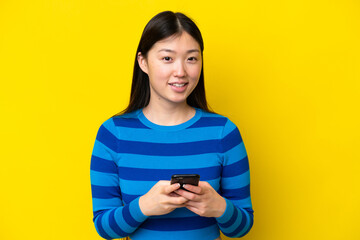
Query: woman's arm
{"points": [[232, 207], [238, 218], [112, 218]]}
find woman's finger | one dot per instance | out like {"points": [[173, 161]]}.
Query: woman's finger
{"points": [[171, 188], [188, 195], [173, 194], [193, 204], [192, 188], [177, 200]]}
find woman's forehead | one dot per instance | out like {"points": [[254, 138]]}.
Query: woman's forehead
{"points": [[177, 41]]}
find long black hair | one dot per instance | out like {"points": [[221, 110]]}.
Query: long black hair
{"points": [[161, 26]]}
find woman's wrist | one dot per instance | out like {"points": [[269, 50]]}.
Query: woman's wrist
{"points": [[221, 207], [143, 206]]}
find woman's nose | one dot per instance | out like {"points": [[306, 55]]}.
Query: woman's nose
{"points": [[179, 70]]}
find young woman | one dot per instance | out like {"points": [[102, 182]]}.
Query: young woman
{"points": [[168, 129]]}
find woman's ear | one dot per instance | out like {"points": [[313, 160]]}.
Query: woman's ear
{"points": [[142, 62]]}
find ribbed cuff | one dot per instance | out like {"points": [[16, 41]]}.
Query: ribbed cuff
{"points": [[136, 212], [229, 210]]}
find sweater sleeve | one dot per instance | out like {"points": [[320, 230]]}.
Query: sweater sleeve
{"points": [[112, 219], [237, 219]]}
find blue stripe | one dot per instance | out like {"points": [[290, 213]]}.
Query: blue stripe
{"points": [[100, 228], [211, 232], [105, 192], [107, 138], [100, 150], [238, 193], [128, 217], [102, 203], [114, 226], [140, 174], [178, 224], [250, 211], [96, 213], [170, 162], [209, 122], [104, 179], [231, 140], [246, 202], [127, 198], [102, 165], [250, 226], [136, 187], [235, 154], [231, 220], [169, 149], [129, 123], [237, 181], [236, 168], [186, 135], [241, 226], [178, 213]]}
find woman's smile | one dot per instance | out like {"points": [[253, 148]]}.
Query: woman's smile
{"points": [[178, 86]]}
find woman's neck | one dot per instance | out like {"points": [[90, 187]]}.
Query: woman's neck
{"points": [[168, 115]]}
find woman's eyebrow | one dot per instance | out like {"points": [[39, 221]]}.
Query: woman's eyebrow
{"points": [[172, 51]]}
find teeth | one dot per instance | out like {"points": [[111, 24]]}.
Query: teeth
{"points": [[178, 85]]}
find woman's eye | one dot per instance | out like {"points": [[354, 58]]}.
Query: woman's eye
{"points": [[192, 59], [167, 59]]}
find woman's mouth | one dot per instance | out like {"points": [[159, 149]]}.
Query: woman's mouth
{"points": [[179, 85]]}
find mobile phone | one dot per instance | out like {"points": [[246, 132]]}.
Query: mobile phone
{"points": [[192, 179]]}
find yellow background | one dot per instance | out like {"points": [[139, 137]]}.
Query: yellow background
{"points": [[286, 72]]}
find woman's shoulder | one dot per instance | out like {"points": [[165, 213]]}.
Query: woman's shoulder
{"points": [[212, 116], [216, 119], [133, 114], [120, 119], [127, 120]]}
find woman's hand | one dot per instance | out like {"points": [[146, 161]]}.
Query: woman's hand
{"points": [[161, 199], [203, 200]]}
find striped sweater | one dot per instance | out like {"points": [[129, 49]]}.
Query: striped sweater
{"points": [[131, 154]]}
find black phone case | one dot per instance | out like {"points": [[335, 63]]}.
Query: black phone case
{"points": [[192, 179]]}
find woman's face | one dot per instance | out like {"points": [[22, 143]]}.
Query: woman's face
{"points": [[173, 66]]}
